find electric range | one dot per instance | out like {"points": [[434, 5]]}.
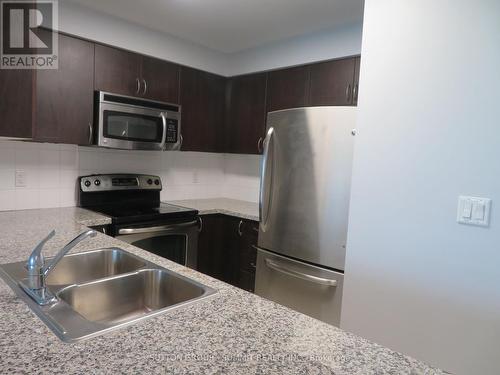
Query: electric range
{"points": [[138, 217]]}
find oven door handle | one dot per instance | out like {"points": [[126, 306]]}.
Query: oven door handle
{"points": [[160, 228], [164, 136]]}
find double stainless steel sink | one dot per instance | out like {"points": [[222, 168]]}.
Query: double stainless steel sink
{"points": [[101, 290]]}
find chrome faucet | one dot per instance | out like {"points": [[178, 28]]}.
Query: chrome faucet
{"points": [[35, 284]]}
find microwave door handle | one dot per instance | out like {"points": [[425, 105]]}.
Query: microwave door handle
{"points": [[164, 136]]}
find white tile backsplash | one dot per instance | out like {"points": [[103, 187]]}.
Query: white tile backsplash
{"points": [[52, 171]]}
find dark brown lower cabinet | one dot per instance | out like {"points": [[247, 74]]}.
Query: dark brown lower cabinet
{"points": [[213, 255], [226, 250]]}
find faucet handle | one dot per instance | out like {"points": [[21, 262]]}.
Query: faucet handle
{"points": [[35, 261]]}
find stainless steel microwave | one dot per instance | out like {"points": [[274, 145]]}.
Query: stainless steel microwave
{"points": [[129, 123]]}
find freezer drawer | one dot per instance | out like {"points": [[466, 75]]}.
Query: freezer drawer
{"points": [[311, 290]]}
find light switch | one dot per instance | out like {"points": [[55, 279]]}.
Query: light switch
{"points": [[467, 211], [474, 210], [478, 212]]}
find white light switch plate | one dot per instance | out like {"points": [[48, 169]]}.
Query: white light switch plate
{"points": [[474, 211]]}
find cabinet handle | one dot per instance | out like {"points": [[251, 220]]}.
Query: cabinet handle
{"points": [[181, 140], [348, 93], [240, 233], [145, 86], [200, 224], [259, 144], [91, 133], [138, 86]]}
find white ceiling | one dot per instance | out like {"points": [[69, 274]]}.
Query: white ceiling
{"points": [[233, 25]]}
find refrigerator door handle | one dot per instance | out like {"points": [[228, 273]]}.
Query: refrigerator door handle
{"points": [[287, 271], [263, 180]]}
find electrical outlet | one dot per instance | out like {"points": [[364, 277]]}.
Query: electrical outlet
{"points": [[20, 179]]}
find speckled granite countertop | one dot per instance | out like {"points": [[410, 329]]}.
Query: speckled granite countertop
{"points": [[232, 207], [232, 332]]}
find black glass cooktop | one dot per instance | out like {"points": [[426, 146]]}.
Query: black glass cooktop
{"points": [[126, 213]]}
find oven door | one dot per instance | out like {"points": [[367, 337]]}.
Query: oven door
{"points": [[136, 128], [177, 242]]}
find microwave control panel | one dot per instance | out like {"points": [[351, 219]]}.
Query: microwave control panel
{"points": [[172, 130]]}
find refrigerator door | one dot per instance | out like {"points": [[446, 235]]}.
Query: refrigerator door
{"points": [[305, 183], [311, 290]]}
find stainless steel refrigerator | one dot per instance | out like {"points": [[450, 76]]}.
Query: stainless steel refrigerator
{"points": [[304, 205]]}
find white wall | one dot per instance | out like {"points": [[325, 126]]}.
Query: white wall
{"points": [[429, 130], [324, 45], [51, 172], [77, 20]]}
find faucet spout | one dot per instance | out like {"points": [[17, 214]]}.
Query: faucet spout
{"points": [[70, 245], [35, 285]]}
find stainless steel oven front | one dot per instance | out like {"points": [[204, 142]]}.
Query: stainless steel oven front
{"points": [[130, 123], [177, 241]]}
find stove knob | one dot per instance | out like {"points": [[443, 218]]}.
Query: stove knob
{"points": [[150, 181], [97, 182], [157, 182], [87, 183]]}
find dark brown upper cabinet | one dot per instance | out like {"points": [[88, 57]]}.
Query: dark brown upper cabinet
{"points": [[131, 74], [117, 71], [202, 98], [288, 88], [357, 63], [246, 113], [332, 82], [160, 80], [16, 103], [63, 111]]}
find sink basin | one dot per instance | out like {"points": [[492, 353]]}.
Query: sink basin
{"points": [[123, 298], [102, 290], [82, 267]]}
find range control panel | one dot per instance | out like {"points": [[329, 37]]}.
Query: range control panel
{"points": [[110, 182]]}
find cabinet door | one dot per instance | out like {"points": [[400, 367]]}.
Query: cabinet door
{"points": [[213, 254], [246, 118], [64, 96], [117, 71], [245, 255], [202, 101], [332, 82], [160, 80], [288, 88], [355, 94], [16, 103], [248, 255]]}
